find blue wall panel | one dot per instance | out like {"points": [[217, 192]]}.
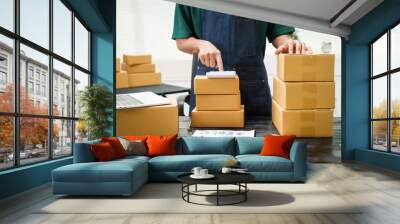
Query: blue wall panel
{"points": [[100, 17], [24, 178], [356, 83], [357, 99], [103, 63]]}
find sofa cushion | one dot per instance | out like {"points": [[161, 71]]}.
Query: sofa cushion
{"points": [[185, 163], [134, 147], [204, 145], [112, 171], [116, 145], [249, 145], [103, 152], [161, 145], [257, 163], [277, 145]]}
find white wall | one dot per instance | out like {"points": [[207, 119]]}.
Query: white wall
{"points": [[145, 26]]}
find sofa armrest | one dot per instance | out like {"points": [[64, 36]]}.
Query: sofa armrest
{"points": [[298, 155], [83, 153]]}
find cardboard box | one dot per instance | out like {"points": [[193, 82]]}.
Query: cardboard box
{"points": [[143, 68], [304, 95], [122, 80], [137, 59], [118, 64], [218, 119], [203, 85], [144, 79], [302, 123], [218, 102], [304, 68], [156, 120]]}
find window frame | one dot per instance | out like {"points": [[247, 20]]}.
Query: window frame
{"points": [[16, 114], [388, 74]]}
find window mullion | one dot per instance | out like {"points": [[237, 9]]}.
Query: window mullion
{"points": [[389, 101], [50, 81], [16, 69], [73, 81]]}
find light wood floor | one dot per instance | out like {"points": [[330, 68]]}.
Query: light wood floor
{"points": [[379, 189]]}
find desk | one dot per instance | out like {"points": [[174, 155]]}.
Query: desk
{"points": [[163, 89]]}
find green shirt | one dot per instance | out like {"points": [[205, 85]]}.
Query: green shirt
{"points": [[188, 22]]}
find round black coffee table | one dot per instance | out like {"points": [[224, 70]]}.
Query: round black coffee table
{"points": [[238, 179]]}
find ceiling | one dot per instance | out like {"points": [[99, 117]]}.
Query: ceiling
{"points": [[326, 16]]}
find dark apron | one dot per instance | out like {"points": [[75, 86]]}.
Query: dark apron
{"points": [[242, 50]]}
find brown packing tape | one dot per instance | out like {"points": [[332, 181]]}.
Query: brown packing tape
{"points": [[309, 92], [309, 101], [309, 88], [309, 130], [309, 60], [307, 117], [309, 76]]}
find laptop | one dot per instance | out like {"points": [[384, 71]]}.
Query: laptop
{"points": [[142, 99]]}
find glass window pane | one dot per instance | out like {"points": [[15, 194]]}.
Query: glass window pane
{"points": [[395, 47], [379, 135], [81, 45], [379, 55], [62, 138], [379, 97], [62, 89], [33, 140], [395, 136], [62, 29], [395, 95], [6, 142], [7, 14], [6, 74], [81, 81], [35, 21], [34, 96], [81, 131]]}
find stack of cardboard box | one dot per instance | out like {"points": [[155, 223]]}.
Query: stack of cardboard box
{"points": [[139, 71], [304, 95], [121, 75], [217, 103]]}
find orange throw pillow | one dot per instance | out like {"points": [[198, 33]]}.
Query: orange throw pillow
{"points": [[116, 145], [277, 145], [136, 137], [103, 152], [161, 145]]}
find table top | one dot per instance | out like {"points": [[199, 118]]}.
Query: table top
{"points": [[162, 89], [220, 178]]}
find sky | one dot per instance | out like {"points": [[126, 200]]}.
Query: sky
{"points": [[35, 27], [379, 59]]}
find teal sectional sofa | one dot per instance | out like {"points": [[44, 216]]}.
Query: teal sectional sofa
{"points": [[125, 176]]}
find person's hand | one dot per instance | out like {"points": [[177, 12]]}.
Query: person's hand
{"points": [[291, 46], [209, 55]]}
